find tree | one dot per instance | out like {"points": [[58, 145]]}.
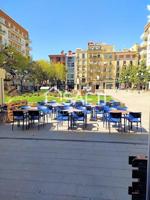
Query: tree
{"points": [[143, 75], [46, 72], [125, 76], [135, 76], [54, 73], [20, 68], [58, 72], [16, 65]]}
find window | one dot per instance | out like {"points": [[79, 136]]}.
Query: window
{"points": [[121, 56], [97, 87], [127, 56], [83, 55], [58, 59], [131, 62]]}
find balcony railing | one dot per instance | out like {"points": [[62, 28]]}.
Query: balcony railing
{"points": [[2, 32]]}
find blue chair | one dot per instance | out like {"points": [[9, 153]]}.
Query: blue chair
{"points": [[79, 116], [116, 104], [57, 109], [114, 118], [121, 108], [102, 103], [89, 110], [62, 116], [106, 110], [134, 117], [98, 110], [66, 103], [78, 104], [35, 115], [26, 107], [45, 111], [19, 116], [41, 103]]}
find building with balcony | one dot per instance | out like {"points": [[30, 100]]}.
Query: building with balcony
{"points": [[100, 66], [13, 34], [146, 44], [70, 67], [58, 58], [81, 69]]}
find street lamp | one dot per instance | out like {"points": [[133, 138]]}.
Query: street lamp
{"points": [[140, 76], [127, 78]]}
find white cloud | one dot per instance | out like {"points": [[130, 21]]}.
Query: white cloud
{"points": [[148, 17], [141, 37], [148, 7]]}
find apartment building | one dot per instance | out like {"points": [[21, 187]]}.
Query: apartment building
{"points": [[13, 34], [146, 44], [58, 58], [70, 67], [100, 66], [81, 69], [68, 60]]}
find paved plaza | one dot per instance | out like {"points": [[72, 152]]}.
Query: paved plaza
{"points": [[46, 165]]}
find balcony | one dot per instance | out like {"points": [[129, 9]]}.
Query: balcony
{"points": [[2, 32]]}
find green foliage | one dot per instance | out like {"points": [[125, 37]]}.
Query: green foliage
{"points": [[52, 71], [135, 76], [21, 68]]}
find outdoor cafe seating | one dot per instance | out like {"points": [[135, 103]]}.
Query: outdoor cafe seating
{"points": [[110, 114], [27, 116]]}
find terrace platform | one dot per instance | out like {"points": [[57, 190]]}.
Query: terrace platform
{"points": [[61, 165]]}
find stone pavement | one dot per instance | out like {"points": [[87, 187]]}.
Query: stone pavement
{"points": [[47, 165]]}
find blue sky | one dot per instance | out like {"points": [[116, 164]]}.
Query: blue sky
{"points": [[56, 25]]}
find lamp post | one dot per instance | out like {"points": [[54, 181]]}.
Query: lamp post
{"points": [[127, 78], [140, 76]]}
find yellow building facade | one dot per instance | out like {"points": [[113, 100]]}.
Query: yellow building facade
{"points": [[99, 67], [80, 69]]}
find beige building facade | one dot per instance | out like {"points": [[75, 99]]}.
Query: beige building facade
{"points": [[100, 66], [2, 77], [81, 69], [146, 44]]}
